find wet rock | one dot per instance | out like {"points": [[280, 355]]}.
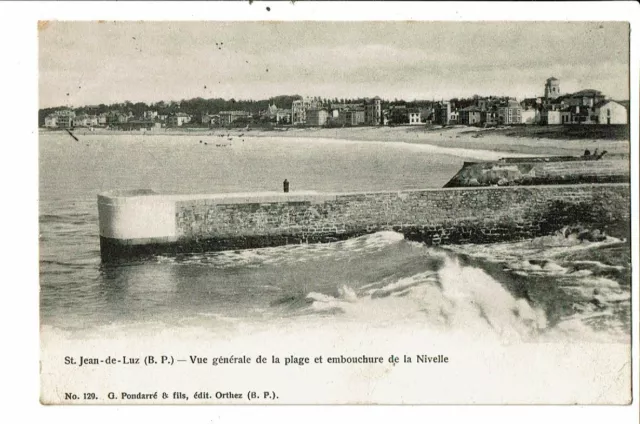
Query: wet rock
{"points": [[584, 234]]}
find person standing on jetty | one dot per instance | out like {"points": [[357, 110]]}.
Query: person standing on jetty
{"points": [[285, 185]]}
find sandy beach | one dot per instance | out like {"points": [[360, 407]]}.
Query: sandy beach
{"points": [[459, 137]]}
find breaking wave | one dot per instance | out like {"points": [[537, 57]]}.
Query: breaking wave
{"points": [[521, 291], [541, 289]]}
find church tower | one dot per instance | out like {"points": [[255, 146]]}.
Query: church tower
{"points": [[552, 88]]}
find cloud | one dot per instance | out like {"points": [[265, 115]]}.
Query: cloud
{"points": [[168, 60]]}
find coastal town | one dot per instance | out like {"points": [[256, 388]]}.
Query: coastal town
{"points": [[553, 107]]}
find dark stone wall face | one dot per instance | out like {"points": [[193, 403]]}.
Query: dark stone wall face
{"points": [[470, 215]]}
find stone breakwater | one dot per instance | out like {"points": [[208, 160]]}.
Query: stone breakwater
{"points": [[144, 223], [538, 171]]}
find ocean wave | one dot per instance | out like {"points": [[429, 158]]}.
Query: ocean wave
{"points": [[465, 298], [288, 254], [507, 291], [456, 298], [77, 218]]}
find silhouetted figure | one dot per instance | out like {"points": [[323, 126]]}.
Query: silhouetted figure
{"points": [[587, 152], [285, 185], [595, 153]]}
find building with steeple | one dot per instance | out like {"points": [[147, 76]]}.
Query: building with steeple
{"points": [[552, 88]]}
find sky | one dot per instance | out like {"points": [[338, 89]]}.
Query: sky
{"points": [[88, 63]]}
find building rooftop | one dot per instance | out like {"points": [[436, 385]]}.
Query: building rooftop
{"points": [[622, 103], [234, 112], [625, 103], [140, 121], [510, 103], [587, 93]]}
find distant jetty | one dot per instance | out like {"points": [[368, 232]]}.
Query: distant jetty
{"points": [[511, 199], [549, 170]]}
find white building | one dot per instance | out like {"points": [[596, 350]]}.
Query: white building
{"points": [[51, 121], [530, 116], [554, 117], [179, 119], [65, 118], [414, 117], [612, 113]]}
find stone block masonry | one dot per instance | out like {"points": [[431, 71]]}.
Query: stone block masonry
{"points": [[437, 216]]}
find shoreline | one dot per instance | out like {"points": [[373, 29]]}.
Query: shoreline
{"points": [[463, 138]]}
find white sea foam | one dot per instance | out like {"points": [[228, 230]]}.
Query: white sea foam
{"points": [[404, 283], [479, 301], [348, 294], [457, 298], [298, 253]]}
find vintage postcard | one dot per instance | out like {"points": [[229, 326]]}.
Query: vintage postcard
{"points": [[419, 212]]}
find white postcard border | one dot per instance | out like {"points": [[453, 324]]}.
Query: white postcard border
{"points": [[20, 183]]}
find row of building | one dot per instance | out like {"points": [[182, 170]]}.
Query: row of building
{"points": [[150, 119], [308, 112], [554, 108]]}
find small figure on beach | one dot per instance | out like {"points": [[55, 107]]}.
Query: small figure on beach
{"points": [[285, 185], [587, 152]]}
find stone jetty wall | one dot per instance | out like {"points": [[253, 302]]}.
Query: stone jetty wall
{"points": [[458, 215]]}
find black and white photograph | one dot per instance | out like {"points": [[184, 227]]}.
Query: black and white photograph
{"points": [[335, 212]]}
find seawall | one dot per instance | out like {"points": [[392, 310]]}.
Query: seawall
{"points": [[538, 171], [142, 223]]}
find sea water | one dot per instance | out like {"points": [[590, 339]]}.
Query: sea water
{"points": [[524, 290]]}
